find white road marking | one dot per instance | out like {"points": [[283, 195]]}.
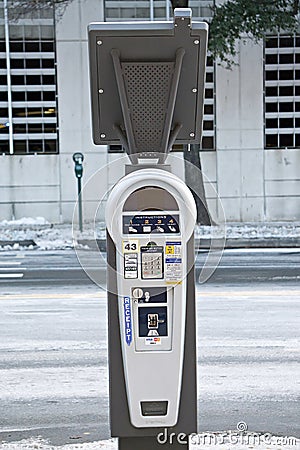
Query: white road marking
{"points": [[10, 263], [11, 275]]}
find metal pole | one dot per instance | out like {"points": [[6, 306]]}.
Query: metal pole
{"points": [[9, 99], [151, 10], [79, 203]]}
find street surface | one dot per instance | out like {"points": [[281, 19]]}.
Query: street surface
{"points": [[53, 346]]}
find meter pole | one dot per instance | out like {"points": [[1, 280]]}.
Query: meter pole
{"points": [[78, 160]]}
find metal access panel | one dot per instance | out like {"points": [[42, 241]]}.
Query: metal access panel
{"points": [[147, 82]]}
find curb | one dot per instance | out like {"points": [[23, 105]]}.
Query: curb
{"points": [[25, 243], [217, 244]]}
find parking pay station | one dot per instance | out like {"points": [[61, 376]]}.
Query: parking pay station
{"points": [[147, 83]]}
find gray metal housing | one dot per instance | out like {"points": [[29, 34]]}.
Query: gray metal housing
{"points": [[147, 83]]}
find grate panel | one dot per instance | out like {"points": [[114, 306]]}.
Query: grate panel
{"points": [[150, 82]]}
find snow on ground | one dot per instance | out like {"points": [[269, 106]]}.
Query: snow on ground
{"points": [[205, 441], [49, 236]]}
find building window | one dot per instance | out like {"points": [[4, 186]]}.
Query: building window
{"points": [[282, 92], [33, 105]]}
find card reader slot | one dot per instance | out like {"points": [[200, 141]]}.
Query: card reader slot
{"points": [[154, 408]]}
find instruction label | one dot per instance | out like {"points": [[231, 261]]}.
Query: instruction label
{"points": [[173, 262], [127, 320]]}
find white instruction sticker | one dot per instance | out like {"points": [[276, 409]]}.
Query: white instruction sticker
{"points": [[173, 262]]}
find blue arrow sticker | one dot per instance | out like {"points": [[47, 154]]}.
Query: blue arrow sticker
{"points": [[128, 320]]}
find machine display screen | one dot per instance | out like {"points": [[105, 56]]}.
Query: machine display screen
{"points": [[146, 223]]}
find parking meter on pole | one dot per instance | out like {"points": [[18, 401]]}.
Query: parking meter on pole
{"points": [[147, 86], [78, 160]]}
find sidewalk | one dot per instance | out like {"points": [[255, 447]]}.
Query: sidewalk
{"points": [[205, 441], [29, 233]]}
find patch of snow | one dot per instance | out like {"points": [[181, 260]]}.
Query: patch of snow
{"points": [[229, 440], [25, 221], [61, 236]]}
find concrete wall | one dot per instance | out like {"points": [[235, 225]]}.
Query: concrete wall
{"points": [[29, 186], [74, 107]]}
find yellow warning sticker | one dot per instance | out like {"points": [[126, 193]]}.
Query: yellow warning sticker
{"points": [[170, 249]]}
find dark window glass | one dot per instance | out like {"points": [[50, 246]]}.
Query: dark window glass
{"points": [[286, 107], [286, 75], [272, 42], [35, 128], [297, 58], [19, 112], [271, 91], [271, 141], [285, 42], [209, 61], [19, 128], [48, 79], [286, 123], [297, 122], [297, 106], [16, 46], [3, 80], [34, 112], [50, 128], [271, 107], [18, 96], [50, 146], [17, 80], [286, 140], [207, 143], [271, 123], [2, 46], [3, 112], [47, 63], [297, 74], [33, 96], [33, 79], [208, 109], [208, 125], [286, 91], [49, 112], [271, 75], [3, 96], [287, 58], [209, 93], [272, 59], [297, 41], [20, 147], [49, 96], [35, 146], [2, 64], [297, 90], [209, 77], [32, 46], [4, 129], [4, 148], [297, 138], [47, 46], [33, 63], [17, 63]]}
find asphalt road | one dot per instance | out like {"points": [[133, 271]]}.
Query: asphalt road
{"points": [[53, 347], [40, 268]]}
